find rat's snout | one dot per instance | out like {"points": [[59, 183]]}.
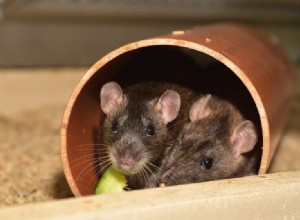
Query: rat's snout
{"points": [[124, 161], [128, 155], [127, 161]]}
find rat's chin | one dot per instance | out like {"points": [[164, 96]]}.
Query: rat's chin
{"points": [[128, 169]]}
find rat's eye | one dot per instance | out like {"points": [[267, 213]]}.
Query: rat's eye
{"points": [[207, 163], [150, 130], [115, 126]]}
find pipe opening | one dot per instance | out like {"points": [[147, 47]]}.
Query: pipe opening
{"points": [[173, 64]]}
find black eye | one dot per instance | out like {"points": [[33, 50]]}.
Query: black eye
{"points": [[207, 163], [150, 130], [115, 126]]}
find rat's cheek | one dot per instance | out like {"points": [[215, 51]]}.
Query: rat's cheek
{"points": [[113, 156]]}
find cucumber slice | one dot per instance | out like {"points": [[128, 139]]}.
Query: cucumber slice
{"points": [[112, 181]]}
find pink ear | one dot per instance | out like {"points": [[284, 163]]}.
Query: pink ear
{"points": [[200, 109], [169, 105], [110, 95], [244, 138]]}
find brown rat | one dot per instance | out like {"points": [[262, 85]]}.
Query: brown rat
{"points": [[217, 143], [140, 125]]}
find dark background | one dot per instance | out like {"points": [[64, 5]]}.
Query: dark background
{"points": [[79, 32]]}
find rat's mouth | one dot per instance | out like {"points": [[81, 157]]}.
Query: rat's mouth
{"points": [[126, 170], [128, 166]]}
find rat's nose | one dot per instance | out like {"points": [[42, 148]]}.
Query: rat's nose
{"points": [[127, 161]]}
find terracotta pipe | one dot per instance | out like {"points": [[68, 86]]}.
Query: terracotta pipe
{"points": [[241, 63]]}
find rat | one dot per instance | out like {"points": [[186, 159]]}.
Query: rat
{"points": [[217, 143], [141, 123]]}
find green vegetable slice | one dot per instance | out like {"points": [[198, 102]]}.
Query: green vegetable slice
{"points": [[112, 181]]}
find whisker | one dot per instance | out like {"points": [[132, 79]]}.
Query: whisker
{"points": [[86, 181], [90, 155], [102, 167], [88, 160], [93, 164], [155, 167], [165, 172], [145, 175], [59, 154], [91, 149], [94, 154], [72, 165], [103, 162], [89, 144], [104, 157], [152, 174], [86, 167], [99, 172], [105, 166]]}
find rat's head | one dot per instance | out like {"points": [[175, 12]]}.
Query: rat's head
{"points": [[135, 130], [211, 146]]}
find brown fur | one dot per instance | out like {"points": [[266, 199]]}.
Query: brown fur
{"points": [[206, 138], [133, 115]]}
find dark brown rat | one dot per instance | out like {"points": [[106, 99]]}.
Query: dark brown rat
{"points": [[140, 125], [217, 143]]}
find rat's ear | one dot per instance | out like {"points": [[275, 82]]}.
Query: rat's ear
{"points": [[243, 138], [200, 109], [168, 105], [110, 95]]}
